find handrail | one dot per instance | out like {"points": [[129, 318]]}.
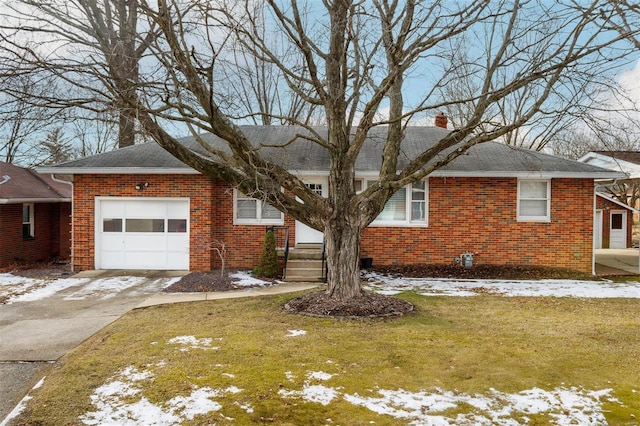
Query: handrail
{"points": [[324, 259], [273, 229], [286, 253]]}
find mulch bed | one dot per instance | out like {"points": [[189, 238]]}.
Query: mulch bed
{"points": [[207, 281], [369, 305], [39, 270], [493, 272]]}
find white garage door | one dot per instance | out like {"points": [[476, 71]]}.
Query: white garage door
{"points": [[135, 233]]}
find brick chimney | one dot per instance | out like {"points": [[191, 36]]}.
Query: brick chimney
{"points": [[441, 120]]}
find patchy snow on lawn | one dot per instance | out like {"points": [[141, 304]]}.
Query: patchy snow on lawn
{"points": [[187, 343], [530, 288], [120, 402], [296, 333], [311, 391], [567, 406]]}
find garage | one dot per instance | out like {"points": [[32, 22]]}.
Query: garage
{"points": [[149, 233]]}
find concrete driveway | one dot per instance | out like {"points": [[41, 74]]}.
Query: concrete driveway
{"points": [[36, 332], [617, 261]]}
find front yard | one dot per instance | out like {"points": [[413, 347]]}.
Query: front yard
{"points": [[486, 359]]}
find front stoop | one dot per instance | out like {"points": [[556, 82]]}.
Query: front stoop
{"points": [[305, 263]]}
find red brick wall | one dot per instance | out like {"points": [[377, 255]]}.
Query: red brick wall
{"points": [[243, 243], [465, 214], [478, 215], [198, 188], [51, 234], [606, 206]]}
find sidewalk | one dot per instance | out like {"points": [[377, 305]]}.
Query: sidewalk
{"points": [[164, 298]]}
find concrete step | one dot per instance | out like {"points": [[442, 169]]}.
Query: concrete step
{"points": [[304, 253], [309, 277], [309, 246], [303, 270], [304, 264]]}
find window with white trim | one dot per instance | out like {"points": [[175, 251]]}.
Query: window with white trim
{"points": [[27, 221], [407, 207], [250, 211], [534, 200]]}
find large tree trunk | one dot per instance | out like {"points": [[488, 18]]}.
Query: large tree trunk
{"points": [[126, 127], [343, 258]]}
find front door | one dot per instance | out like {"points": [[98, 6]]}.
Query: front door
{"points": [[304, 233], [618, 232]]}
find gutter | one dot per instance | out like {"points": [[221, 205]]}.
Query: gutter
{"points": [[33, 200]]}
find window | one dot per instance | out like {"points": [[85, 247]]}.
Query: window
{"points": [[408, 206], [616, 221], [111, 225], [27, 221], [177, 225], [534, 200], [255, 212], [144, 225]]}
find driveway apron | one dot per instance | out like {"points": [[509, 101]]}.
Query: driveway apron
{"points": [[35, 334]]}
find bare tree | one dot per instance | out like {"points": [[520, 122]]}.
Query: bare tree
{"points": [[612, 135], [256, 89], [615, 137], [81, 42], [22, 122], [352, 59]]}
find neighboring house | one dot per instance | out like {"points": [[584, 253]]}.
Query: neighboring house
{"points": [[627, 162], [139, 207], [35, 217], [613, 225]]}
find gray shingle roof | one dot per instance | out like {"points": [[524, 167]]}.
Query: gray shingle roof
{"points": [[487, 159]]}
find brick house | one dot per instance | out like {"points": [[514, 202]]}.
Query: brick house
{"points": [[613, 225], [139, 207], [35, 217]]}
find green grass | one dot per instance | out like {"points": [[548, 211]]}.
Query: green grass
{"points": [[469, 345]]}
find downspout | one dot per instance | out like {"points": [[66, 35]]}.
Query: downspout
{"points": [[593, 239], [73, 222]]}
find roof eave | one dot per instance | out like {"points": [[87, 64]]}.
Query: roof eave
{"points": [[613, 200], [33, 200], [531, 174], [117, 171]]}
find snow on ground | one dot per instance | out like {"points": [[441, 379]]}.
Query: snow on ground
{"points": [[30, 290], [14, 289], [510, 288], [245, 279], [22, 405], [121, 401], [187, 343], [20, 289]]}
